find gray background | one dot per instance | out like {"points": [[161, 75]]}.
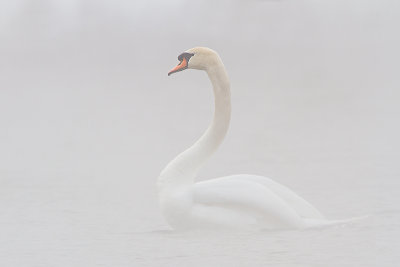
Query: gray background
{"points": [[89, 118]]}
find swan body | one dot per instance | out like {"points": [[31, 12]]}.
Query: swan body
{"points": [[237, 201]]}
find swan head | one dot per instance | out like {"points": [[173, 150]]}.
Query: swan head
{"points": [[200, 58]]}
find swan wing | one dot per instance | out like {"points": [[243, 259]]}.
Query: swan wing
{"points": [[302, 207], [245, 198], [253, 193]]}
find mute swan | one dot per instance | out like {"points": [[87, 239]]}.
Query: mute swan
{"points": [[237, 201]]}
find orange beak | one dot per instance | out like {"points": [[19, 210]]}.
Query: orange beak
{"points": [[181, 66]]}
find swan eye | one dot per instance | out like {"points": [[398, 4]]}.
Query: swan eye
{"points": [[185, 55]]}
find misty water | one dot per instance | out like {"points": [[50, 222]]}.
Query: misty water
{"points": [[89, 118]]}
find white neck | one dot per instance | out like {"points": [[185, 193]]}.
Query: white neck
{"points": [[183, 169]]}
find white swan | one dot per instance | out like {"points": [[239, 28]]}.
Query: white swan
{"points": [[238, 201]]}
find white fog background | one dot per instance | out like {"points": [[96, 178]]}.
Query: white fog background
{"points": [[89, 118]]}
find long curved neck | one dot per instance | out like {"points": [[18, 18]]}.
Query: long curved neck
{"points": [[183, 169]]}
